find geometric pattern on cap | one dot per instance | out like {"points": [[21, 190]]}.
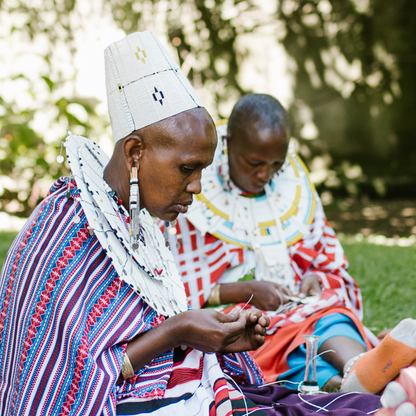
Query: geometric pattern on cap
{"points": [[144, 84]]}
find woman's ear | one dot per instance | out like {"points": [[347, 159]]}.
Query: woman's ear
{"points": [[133, 150]]}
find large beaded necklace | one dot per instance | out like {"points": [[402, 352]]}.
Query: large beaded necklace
{"points": [[150, 269], [267, 223]]}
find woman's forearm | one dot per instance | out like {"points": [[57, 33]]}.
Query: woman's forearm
{"points": [[236, 292], [147, 346], [205, 330]]}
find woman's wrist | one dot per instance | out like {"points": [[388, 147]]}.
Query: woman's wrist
{"points": [[236, 292], [127, 370], [148, 345], [175, 329]]}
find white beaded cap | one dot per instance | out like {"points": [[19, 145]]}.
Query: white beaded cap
{"points": [[144, 84]]}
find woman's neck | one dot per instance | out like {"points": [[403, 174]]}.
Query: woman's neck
{"points": [[118, 180]]}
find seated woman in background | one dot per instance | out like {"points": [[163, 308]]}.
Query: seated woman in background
{"points": [[94, 318], [258, 233]]}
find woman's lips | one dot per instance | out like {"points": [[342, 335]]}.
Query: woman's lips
{"points": [[182, 208], [257, 188]]}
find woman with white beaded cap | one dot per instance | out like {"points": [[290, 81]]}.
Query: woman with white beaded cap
{"points": [[93, 316], [89, 283]]}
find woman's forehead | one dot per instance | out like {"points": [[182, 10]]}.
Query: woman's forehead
{"points": [[181, 128], [267, 144], [191, 129]]}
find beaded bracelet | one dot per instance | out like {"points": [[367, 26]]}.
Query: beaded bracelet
{"points": [[215, 296]]}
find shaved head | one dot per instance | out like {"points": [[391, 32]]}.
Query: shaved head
{"points": [[160, 134], [257, 112]]}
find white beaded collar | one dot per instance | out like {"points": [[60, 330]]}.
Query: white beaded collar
{"points": [[151, 270], [267, 224]]}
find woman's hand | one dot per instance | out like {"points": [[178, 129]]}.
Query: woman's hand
{"points": [[266, 295], [254, 333], [310, 286], [206, 330], [210, 331]]}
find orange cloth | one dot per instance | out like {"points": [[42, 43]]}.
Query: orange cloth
{"points": [[272, 356]]}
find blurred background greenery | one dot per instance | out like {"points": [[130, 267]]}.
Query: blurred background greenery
{"points": [[345, 70]]}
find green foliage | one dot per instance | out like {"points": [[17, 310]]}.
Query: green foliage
{"points": [[205, 34], [27, 159], [355, 69], [247, 277], [352, 64]]}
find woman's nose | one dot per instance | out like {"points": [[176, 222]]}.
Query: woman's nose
{"points": [[264, 174], [194, 186]]}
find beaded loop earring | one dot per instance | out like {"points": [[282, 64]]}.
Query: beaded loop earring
{"points": [[134, 208], [224, 170], [170, 228]]}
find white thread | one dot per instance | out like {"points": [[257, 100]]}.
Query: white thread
{"points": [[336, 398], [251, 297], [279, 381], [323, 352], [238, 388], [280, 297], [311, 404], [260, 408], [328, 404], [244, 398], [299, 396], [261, 348]]}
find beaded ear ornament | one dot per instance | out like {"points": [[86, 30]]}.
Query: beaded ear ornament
{"points": [[134, 208], [170, 228]]}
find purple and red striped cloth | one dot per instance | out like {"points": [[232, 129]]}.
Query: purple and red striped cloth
{"points": [[65, 320]]}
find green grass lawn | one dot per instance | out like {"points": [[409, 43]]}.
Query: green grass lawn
{"points": [[386, 275], [387, 278], [6, 239]]}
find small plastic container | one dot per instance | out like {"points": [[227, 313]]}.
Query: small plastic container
{"points": [[310, 384]]}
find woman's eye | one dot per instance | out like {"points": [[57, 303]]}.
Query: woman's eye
{"points": [[187, 169]]}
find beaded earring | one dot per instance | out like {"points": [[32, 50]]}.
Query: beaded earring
{"points": [[170, 228], [134, 208], [224, 168]]}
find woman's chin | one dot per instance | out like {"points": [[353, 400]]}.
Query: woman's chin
{"points": [[167, 216]]}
